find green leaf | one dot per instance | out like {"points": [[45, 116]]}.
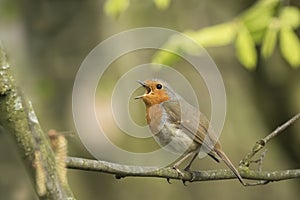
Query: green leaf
{"points": [[262, 7], [165, 58], [245, 48], [290, 16], [114, 8], [219, 35], [261, 22], [258, 36], [162, 4], [165, 55], [258, 17], [269, 40], [290, 46], [177, 45]]}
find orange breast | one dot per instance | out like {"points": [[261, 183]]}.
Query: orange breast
{"points": [[154, 117]]}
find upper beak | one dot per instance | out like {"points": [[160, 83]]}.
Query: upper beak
{"points": [[141, 82], [145, 86]]}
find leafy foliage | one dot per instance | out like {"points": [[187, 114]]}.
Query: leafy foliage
{"points": [[262, 25], [290, 46], [270, 38], [245, 48], [257, 26], [218, 35], [289, 41]]}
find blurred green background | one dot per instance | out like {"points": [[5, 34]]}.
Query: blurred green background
{"points": [[46, 42]]}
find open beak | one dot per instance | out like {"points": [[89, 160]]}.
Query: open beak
{"points": [[145, 86]]}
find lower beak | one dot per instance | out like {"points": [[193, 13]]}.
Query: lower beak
{"points": [[139, 97]]}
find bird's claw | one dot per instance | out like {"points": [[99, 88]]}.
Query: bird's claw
{"points": [[180, 173], [168, 180], [187, 169], [184, 182]]}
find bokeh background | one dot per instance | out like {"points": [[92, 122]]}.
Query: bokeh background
{"points": [[46, 42]]}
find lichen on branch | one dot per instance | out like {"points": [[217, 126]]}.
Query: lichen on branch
{"points": [[18, 118]]}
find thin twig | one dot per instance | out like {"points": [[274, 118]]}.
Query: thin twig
{"points": [[262, 142], [279, 129]]}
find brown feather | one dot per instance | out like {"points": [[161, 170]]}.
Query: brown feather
{"points": [[202, 135]]}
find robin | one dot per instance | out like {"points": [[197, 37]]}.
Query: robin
{"points": [[180, 127]]}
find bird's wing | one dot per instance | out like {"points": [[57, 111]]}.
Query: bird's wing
{"points": [[195, 124], [187, 117]]}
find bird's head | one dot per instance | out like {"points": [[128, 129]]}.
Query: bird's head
{"points": [[157, 91]]}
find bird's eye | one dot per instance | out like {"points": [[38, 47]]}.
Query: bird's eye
{"points": [[159, 86]]}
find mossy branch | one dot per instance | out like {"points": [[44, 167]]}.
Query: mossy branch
{"points": [[121, 171], [18, 118]]}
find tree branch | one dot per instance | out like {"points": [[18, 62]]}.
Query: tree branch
{"points": [[138, 171], [18, 118]]}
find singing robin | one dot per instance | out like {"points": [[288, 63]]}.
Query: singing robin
{"points": [[180, 127]]}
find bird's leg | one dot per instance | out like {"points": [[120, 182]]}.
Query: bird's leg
{"points": [[175, 166], [187, 168]]}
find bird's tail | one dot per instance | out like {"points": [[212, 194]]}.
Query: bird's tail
{"points": [[230, 165]]}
